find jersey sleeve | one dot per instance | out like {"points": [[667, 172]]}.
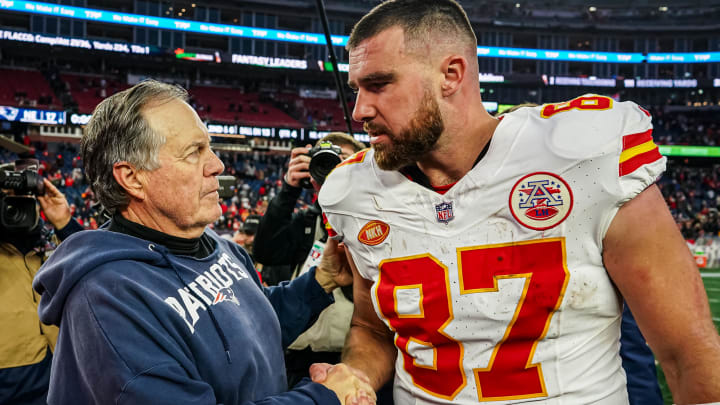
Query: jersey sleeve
{"points": [[609, 147], [331, 232], [640, 163], [633, 164], [595, 129], [335, 193]]}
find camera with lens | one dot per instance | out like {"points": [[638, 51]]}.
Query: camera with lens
{"points": [[323, 159], [18, 212]]}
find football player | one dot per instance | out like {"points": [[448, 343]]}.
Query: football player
{"points": [[492, 256]]}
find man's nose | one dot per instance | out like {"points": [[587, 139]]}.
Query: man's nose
{"points": [[364, 109], [215, 166]]}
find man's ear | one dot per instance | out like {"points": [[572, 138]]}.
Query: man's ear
{"points": [[129, 178], [453, 68]]}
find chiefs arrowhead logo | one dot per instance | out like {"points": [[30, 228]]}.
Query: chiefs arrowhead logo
{"points": [[374, 233]]}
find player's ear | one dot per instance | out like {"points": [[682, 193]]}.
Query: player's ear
{"points": [[454, 67], [129, 178]]}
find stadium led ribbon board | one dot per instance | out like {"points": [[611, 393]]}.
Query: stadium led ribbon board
{"points": [[689, 151], [145, 21], [112, 17], [32, 115], [90, 44]]}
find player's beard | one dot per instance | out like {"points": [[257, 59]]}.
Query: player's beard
{"points": [[413, 143]]}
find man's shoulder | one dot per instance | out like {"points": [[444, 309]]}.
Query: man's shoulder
{"points": [[584, 127], [351, 176]]}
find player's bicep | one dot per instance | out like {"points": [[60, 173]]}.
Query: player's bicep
{"points": [[364, 313], [650, 263]]}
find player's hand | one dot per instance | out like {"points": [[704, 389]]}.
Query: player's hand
{"points": [[299, 166], [55, 205], [351, 385], [334, 270]]}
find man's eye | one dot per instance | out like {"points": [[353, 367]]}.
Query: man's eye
{"points": [[376, 86]]}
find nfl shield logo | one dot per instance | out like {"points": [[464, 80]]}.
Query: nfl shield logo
{"points": [[444, 212]]}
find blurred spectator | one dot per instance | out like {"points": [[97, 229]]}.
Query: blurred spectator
{"points": [[27, 344]]}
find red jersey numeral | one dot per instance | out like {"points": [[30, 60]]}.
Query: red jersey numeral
{"points": [[509, 374], [580, 103], [444, 378]]}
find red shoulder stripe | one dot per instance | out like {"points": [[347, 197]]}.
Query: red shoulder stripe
{"points": [[636, 162], [645, 111], [331, 232], [633, 140]]}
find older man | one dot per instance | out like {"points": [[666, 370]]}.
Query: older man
{"points": [[155, 308]]}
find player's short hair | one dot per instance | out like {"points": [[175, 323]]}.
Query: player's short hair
{"points": [[342, 138], [422, 21], [118, 132]]}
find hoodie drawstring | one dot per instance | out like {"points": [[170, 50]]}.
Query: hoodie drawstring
{"points": [[218, 329]]}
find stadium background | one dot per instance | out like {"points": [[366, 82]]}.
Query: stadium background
{"points": [[258, 74]]}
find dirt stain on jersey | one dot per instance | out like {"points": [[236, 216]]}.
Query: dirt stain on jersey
{"points": [[581, 294]]}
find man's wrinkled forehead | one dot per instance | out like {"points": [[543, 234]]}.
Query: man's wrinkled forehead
{"points": [[381, 50]]}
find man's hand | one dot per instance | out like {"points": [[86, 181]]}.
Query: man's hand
{"points": [[299, 166], [55, 206], [334, 270], [351, 385]]}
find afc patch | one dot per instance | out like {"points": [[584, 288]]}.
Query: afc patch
{"points": [[444, 212], [541, 200]]}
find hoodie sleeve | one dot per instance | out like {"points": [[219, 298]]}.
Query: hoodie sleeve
{"points": [[297, 304], [163, 378]]}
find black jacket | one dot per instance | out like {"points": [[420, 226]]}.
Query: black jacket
{"points": [[284, 237]]}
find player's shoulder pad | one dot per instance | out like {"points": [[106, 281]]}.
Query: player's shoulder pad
{"points": [[338, 183], [590, 125]]}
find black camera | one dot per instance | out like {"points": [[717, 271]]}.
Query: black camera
{"points": [[18, 212], [226, 186], [323, 159]]}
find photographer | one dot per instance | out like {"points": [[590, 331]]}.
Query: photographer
{"points": [[286, 237], [26, 343], [288, 243]]}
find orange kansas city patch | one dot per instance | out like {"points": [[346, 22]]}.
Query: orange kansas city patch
{"points": [[374, 233]]}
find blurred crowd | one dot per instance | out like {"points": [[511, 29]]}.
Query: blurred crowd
{"points": [[695, 127], [690, 190], [691, 193], [257, 180]]}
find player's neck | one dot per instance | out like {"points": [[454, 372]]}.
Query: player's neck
{"points": [[457, 153]]}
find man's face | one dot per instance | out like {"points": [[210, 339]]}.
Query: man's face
{"points": [[395, 100], [181, 195]]}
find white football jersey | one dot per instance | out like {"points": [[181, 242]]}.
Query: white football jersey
{"points": [[496, 290]]}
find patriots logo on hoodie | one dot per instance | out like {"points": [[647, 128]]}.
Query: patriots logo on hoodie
{"points": [[225, 294]]}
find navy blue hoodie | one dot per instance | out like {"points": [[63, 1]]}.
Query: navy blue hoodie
{"points": [[139, 325]]}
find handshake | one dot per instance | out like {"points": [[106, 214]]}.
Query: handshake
{"points": [[351, 385]]}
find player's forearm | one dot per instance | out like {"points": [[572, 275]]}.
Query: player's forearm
{"points": [[694, 378], [371, 352]]}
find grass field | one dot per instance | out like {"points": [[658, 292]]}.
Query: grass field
{"points": [[711, 278]]}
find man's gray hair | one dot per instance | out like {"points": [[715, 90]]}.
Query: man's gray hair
{"points": [[118, 132]]}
